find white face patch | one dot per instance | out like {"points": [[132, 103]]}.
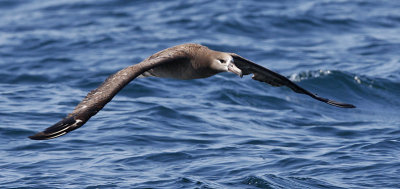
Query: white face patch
{"points": [[221, 63]]}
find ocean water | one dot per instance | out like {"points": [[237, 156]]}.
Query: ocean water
{"points": [[219, 132]]}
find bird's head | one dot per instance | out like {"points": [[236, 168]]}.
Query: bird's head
{"points": [[223, 62]]}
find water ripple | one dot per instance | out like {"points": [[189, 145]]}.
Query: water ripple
{"points": [[218, 132]]}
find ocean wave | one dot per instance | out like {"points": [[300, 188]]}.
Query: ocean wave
{"points": [[219, 132]]}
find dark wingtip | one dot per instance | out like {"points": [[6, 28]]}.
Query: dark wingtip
{"points": [[332, 102], [340, 105], [39, 136], [60, 128]]}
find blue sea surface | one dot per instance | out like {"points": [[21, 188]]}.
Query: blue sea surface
{"points": [[219, 132]]}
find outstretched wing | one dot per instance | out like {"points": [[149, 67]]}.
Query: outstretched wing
{"points": [[99, 97], [265, 75]]}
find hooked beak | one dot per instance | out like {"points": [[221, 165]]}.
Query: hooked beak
{"points": [[232, 68]]}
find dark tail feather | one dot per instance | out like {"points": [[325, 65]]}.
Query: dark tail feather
{"points": [[60, 128]]}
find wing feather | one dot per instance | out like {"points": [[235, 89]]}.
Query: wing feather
{"points": [[265, 75], [98, 98]]}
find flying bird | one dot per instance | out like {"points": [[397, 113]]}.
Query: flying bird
{"points": [[186, 61]]}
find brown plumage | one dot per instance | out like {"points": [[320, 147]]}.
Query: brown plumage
{"points": [[187, 61]]}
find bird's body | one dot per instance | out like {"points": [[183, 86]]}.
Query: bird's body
{"points": [[194, 65], [187, 61]]}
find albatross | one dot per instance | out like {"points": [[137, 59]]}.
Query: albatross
{"points": [[186, 61]]}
